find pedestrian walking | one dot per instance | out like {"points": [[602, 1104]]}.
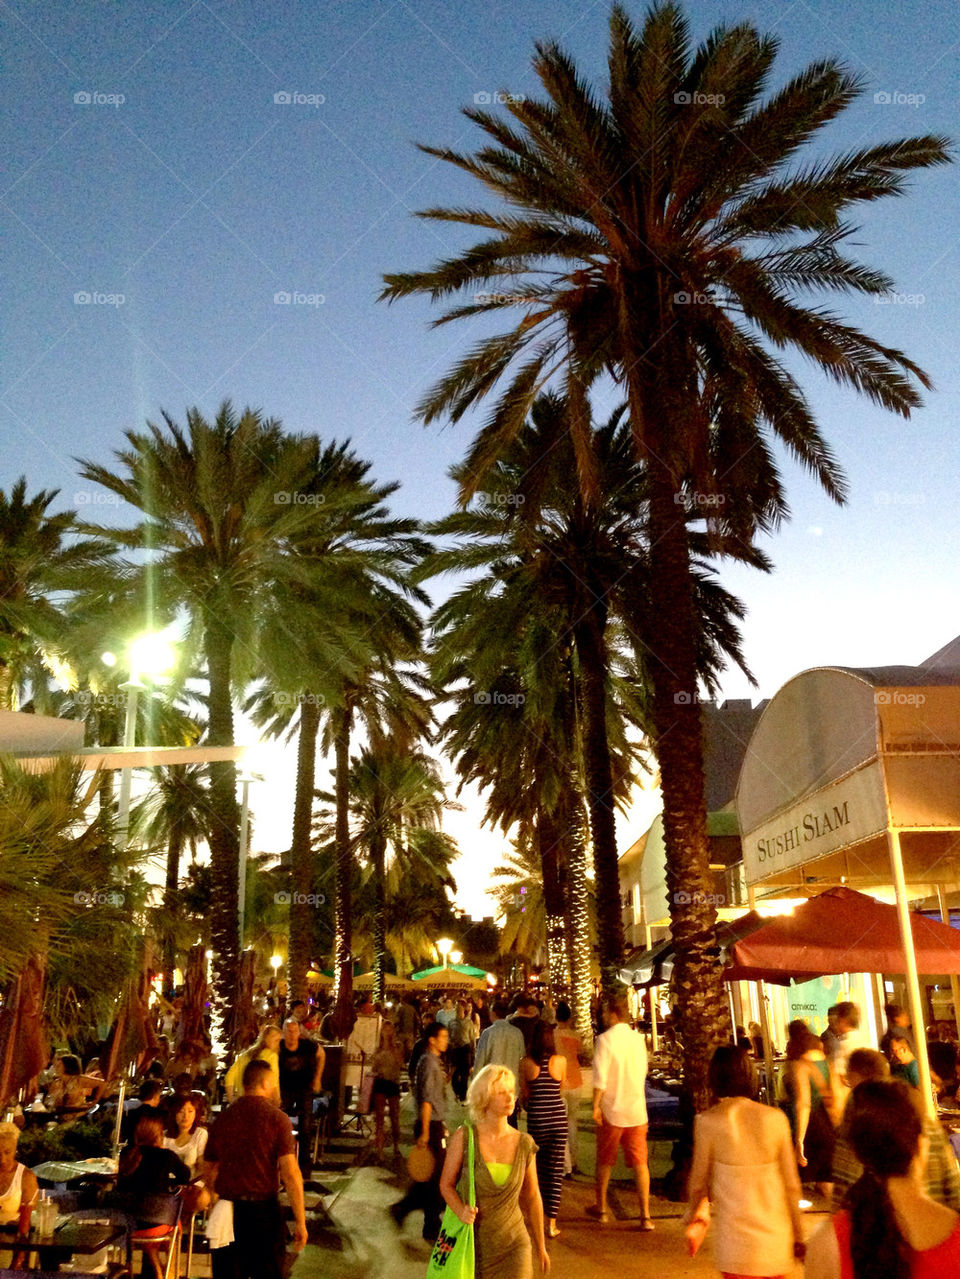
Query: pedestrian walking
{"points": [[811, 1090], [744, 1171], [568, 1043], [888, 1228], [543, 1073], [620, 1106], [250, 1150], [429, 1092], [501, 1044], [386, 1067], [300, 1062], [508, 1209]]}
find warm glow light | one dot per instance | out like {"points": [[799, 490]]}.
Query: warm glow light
{"points": [[491, 980], [444, 946], [151, 654], [108, 659], [455, 957], [275, 962], [209, 954]]}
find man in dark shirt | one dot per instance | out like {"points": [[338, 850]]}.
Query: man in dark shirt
{"points": [[151, 1095], [301, 1065], [249, 1152], [525, 1015], [429, 1091]]}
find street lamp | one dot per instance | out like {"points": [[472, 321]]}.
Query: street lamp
{"points": [[444, 946], [150, 654], [455, 957]]}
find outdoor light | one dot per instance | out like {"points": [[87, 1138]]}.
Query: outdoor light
{"points": [[444, 946], [455, 957], [108, 659], [151, 654], [275, 962]]}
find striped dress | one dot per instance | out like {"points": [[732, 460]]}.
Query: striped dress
{"points": [[547, 1125]]}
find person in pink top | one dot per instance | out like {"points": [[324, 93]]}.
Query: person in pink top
{"points": [[889, 1228], [620, 1106], [568, 1043]]}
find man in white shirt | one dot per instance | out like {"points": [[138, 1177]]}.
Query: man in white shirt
{"points": [[620, 1106]]}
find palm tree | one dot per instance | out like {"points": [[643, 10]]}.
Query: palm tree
{"points": [[363, 558], [225, 513], [38, 569], [661, 234], [397, 801]]}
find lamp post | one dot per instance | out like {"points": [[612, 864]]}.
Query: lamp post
{"points": [[245, 779], [154, 655], [444, 946]]}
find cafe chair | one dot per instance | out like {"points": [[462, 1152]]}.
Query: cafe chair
{"points": [[164, 1235]]}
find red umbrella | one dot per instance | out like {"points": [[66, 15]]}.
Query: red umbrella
{"points": [[24, 1048], [841, 931], [192, 1012], [132, 1036]]}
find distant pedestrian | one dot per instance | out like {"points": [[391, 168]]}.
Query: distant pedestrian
{"points": [[501, 1044], [568, 1043], [429, 1092], [812, 1093], [543, 1073], [619, 1106], [386, 1067], [251, 1149]]}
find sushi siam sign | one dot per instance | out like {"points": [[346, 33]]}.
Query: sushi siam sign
{"points": [[850, 810]]}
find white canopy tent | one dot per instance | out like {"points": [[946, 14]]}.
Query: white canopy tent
{"points": [[853, 777]]}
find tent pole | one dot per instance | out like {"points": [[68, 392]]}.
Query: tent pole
{"points": [[767, 1045], [954, 980], [733, 1012], [913, 981], [654, 1035]]}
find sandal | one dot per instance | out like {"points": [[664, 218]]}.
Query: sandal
{"points": [[598, 1214]]}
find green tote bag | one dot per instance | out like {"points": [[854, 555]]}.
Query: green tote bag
{"points": [[453, 1255]]}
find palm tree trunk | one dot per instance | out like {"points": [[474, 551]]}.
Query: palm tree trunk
{"points": [[550, 846], [171, 884], [598, 776], [697, 978], [578, 917], [343, 878], [378, 858], [224, 826], [302, 904]]}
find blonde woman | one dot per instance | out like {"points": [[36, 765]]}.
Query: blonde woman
{"points": [[18, 1186], [505, 1181], [265, 1049]]}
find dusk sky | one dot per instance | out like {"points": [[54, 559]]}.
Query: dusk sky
{"points": [[150, 168]]}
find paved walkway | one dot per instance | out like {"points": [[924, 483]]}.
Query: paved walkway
{"points": [[364, 1243]]}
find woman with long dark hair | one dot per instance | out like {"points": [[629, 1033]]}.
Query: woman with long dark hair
{"points": [[889, 1228], [543, 1072], [812, 1093]]}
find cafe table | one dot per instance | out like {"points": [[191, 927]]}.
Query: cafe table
{"points": [[78, 1238], [56, 1172]]}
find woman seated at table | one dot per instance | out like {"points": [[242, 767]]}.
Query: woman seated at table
{"points": [[187, 1138], [18, 1185], [147, 1170], [71, 1087]]}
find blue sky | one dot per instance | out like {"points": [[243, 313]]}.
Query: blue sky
{"points": [[198, 198]]}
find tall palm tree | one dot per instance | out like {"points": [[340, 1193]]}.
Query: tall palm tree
{"points": [[662, 233], [397, 801], [42, 562], [224, 517], [363, 558]]}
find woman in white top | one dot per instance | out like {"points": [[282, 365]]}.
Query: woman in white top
{"points": [[188, 1138], [743, 1162], [18, 1185]]}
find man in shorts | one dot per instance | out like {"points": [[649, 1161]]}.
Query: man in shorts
{"points": [[620, 1107]]}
